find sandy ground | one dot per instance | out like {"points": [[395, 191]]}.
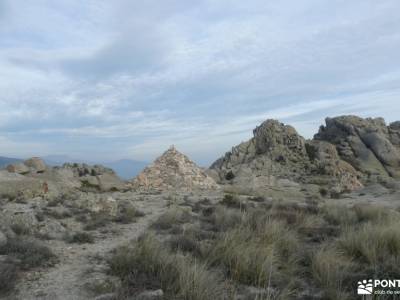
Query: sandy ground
{"points": [[78, 265]]}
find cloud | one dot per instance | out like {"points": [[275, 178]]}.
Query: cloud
{"points": [[129, 78]]}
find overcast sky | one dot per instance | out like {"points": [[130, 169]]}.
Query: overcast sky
{"points": [[104, 80]]}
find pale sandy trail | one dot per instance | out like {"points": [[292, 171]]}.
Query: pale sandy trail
{"points": [[67, 279]]}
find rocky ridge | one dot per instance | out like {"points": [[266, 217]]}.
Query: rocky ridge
{"points": [[369, 145], [346, 154]]}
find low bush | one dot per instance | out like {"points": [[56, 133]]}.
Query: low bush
{"points": [[173, 216], [96, 221], [129, 215], [21, 228], [80, 238], [232, 201], [29, 251]]}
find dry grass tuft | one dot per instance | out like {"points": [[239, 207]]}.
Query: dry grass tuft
{"points": [[331, 269], [174, 216], [179, 276]]}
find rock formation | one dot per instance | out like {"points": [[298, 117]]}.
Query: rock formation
{"points": [[96, 177], [36, 164], [369, 145], [173, 171], [277, 156], [32, 165]]}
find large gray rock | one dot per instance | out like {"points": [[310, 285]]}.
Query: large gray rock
{"points": [[96, 178], [326, 162], [110, 182], [276, 139], [18, 217], [36, 164], [367, 144], [13, 185], [277, 157], [19, 168]]}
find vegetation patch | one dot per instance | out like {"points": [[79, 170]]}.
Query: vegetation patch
{"points": [[282, 250], [96, 221], [149, 265], [129, 215], [80, 238], [31, 252], [8, 277]]}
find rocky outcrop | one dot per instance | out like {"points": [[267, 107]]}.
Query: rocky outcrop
{"points": [[32, 165], [325, 161], [36, 164], [19, 168], [369, 145], [173, 170], [14, 185], [96, 178], [277, 156]]}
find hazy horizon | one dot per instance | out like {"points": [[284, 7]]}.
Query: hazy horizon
{"points": [[126, 79]]}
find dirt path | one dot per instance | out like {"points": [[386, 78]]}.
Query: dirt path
{"points": [[78, 264]]}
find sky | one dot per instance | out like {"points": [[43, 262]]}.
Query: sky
{"points": [[106, 80]]}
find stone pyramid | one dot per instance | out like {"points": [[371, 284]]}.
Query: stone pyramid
{"points": [[173, 171]]}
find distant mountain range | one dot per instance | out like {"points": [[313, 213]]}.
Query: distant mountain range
{"points": [[125, 168], [4, 161]]}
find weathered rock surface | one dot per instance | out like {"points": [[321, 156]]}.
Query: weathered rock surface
{"points": [[173, 170], [19, 168], [36, 164], [13, 185], [31, 165], [369, 145], [278, 152], [96, 177]]}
